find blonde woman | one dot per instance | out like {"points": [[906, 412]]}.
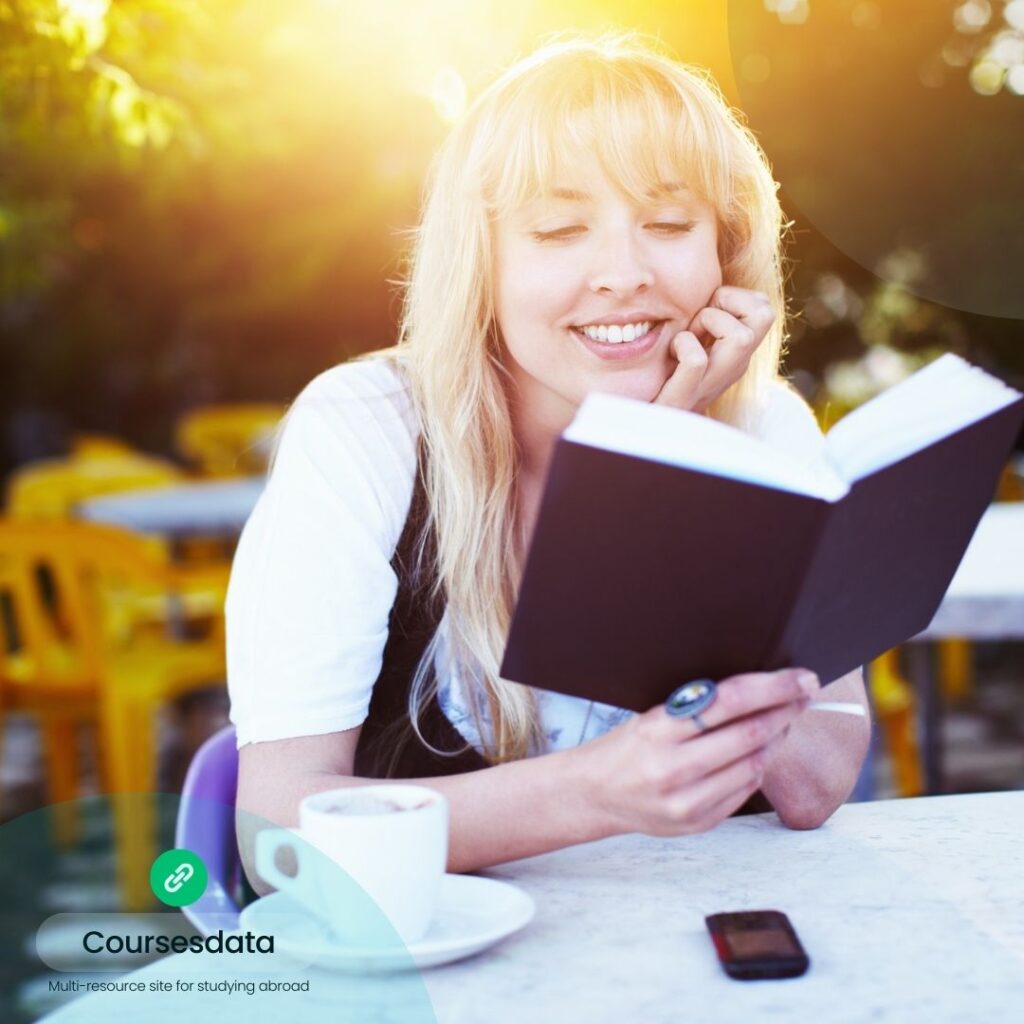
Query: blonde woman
{"points": [[598, 221]]}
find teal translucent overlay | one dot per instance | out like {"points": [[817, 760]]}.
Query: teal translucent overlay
{"points": [[880, 139], [52, 897]]}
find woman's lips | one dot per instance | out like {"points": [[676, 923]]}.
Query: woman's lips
{"points": [[614, 352]]}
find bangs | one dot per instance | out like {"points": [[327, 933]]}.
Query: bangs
{"points": [[638, 123]]}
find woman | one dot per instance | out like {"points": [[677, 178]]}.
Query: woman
{"points": [[598, 221]]}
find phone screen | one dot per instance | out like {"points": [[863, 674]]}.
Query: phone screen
{"points": [[760, 944]]}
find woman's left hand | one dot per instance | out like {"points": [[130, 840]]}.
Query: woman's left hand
{"points": [[715, 349]]}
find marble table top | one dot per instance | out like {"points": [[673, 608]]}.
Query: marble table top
{"points": [[910, 910]]}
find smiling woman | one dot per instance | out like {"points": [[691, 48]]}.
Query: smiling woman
{"points": [[599, 220], [592, 289]]}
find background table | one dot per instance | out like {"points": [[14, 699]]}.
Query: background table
{"points": [[985, 601], [910, 910], [203, 508]]}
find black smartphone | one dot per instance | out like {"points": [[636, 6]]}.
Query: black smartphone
{"points": [[755, 944]]}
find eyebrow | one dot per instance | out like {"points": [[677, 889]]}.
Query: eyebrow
{"points": [[575, 196]]}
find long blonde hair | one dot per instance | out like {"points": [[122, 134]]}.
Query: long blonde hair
{"points": [[647, 119]]}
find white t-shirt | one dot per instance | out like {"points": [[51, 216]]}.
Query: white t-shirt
{"points": [[312, 584]]}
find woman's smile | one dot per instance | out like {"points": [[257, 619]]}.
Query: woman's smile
{"points": [[617, 342]]}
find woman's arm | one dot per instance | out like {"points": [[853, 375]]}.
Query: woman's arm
{"points": [[813, 769], [654, 774], [496, 814]]}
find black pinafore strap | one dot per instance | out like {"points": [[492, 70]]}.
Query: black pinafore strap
{"points": [[388, 747]]}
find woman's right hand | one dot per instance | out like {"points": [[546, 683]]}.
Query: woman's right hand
{"points": [[661, 775]]}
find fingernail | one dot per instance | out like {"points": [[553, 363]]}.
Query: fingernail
{"points": [[808, 682]]}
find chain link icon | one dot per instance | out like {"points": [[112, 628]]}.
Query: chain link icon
{"points": [[174, 881], [178, 877]]}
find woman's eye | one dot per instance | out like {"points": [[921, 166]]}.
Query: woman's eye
{"points": [[668, 227], [558, 234]]}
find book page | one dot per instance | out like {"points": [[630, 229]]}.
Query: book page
{"points": [[679, 438], [940, 399]]}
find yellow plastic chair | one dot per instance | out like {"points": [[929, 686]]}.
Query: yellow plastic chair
{"points": [[51, 488], [1011, 482], [229, 440], [64, 660], [100, 446], [955, 669], [895, 709]]}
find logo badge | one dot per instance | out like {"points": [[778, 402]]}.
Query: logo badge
{"points": [[178, 877]]}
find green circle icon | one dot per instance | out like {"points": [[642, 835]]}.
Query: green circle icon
{"points": [[178, 877]]}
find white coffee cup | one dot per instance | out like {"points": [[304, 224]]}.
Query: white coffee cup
{"points": [[389, 842]]}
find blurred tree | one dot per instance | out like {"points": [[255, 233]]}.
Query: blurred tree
{"points": [[181, 192], [206, 200]]}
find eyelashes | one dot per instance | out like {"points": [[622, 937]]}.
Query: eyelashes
{"points": [[664, 228], [556, 236], [672, 227]]}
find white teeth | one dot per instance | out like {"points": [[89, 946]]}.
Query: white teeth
{"points": [[614, 334]]}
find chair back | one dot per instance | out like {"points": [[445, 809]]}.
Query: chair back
{"points": [[59, 583], [229, 440], [51, 488], [206, 826], [100, 446]]}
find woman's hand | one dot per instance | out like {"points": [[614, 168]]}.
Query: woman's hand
{"points": [[715, 349], [663, 776]]}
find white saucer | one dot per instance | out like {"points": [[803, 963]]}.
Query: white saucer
{"points": [[472, 914]]}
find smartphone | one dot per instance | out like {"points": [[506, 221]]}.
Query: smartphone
{"points": [[755, 944]]}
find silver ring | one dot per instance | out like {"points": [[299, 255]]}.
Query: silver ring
{"points": [[690, 699]]}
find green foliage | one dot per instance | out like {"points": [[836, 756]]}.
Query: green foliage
{"points": [[205, 199]]}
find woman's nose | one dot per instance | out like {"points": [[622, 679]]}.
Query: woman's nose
{"points": [[619, 267]]}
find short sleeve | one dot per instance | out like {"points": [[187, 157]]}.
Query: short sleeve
{"points": [[787, 422], [311, 585]]}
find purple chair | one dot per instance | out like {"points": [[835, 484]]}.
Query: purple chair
{"points": [[206, 825]]}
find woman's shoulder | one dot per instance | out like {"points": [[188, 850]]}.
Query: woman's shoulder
{"points": [[312, 584], [376, 387], [354, 429], [367, 401]]}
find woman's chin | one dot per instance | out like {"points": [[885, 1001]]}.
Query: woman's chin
{"points": [[641, 385]]}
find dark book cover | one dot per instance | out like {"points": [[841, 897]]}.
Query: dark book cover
{"points": [[643, 575]]}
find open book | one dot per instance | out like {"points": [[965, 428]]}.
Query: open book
{"points": [[670, 546]]}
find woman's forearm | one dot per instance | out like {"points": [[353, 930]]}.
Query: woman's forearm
{"points": [[497, 814], [814, 768], [518, 809]]}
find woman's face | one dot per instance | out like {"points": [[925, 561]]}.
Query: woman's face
{"points": [[585, 267]]}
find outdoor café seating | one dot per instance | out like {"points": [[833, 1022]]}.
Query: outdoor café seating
{"points": [[70, 655], [229, 440], [51, 488]]}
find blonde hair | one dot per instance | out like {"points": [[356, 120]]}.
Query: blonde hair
{"points": [[648, 120]]}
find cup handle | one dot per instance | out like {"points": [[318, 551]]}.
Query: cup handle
{"points": [[303, 884]]}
